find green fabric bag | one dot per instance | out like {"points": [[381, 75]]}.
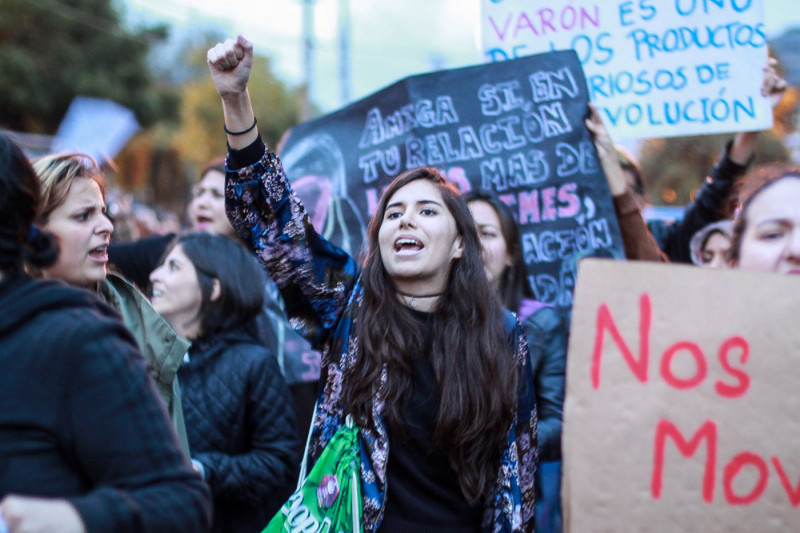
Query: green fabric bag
{"points": [[329, 499]]}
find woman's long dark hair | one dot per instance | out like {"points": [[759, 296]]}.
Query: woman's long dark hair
{"points": [[514, 286], [20, 241], [475, 370], [241, 281]]}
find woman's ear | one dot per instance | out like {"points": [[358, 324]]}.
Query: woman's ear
{"points": [[216, 290], [458, 248]]}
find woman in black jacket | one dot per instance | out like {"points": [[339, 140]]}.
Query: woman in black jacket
{"points": [[238, 411]]}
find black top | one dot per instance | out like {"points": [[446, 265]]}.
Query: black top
{"points": [[422, 490], [80, 418], [709, 206], [241, 427]]}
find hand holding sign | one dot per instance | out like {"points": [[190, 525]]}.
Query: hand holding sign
{"points": [[774, 86], [606, 152]]}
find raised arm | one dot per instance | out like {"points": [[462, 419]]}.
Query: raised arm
{"points": [[230, 64], [711, 200], [315, 278], [773, 87], [636, 238]]}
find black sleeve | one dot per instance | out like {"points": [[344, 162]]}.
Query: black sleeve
{"points": [[136, 260], [246, 156], [709, 206]]}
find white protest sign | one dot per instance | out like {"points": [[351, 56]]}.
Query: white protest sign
{"points": [[681, 406], [96, 127], [654, 68]]}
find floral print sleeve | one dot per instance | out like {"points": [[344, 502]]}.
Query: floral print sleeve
{"points": [[526, 431], [315, 278], [512, 505]]}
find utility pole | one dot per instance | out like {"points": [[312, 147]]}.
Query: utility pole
{"points": [[308, 60], [344, 52]]}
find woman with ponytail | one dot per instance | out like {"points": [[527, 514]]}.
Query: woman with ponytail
{"points": [[84, 443]]}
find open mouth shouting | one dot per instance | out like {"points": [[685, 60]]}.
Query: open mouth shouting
{"points": [[202, 222], [99, 254], [407, 246]]}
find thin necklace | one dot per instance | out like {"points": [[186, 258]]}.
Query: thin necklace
{"points": [[418, 297]]}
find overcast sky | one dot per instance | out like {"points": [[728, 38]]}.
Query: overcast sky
{"points": [[390, 39]]}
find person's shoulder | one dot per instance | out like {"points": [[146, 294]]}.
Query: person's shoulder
{"points": [[239, 348], [248, 361], [71, 321], [41, 297], [125, 296], [256, 358], [543, 317], [250, 350], [117, 286]]}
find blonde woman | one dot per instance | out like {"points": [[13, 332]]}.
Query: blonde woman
{"points": [[73, 209]]}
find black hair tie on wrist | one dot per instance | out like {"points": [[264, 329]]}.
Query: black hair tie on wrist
{"points": [[229, 132]]}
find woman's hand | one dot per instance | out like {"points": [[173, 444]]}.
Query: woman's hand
{"points": [[600, 135], [23, 514], [606, 153], [773, 85], [230, 64]]}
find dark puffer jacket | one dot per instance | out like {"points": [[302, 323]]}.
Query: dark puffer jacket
{"points": [[241, 427], [80, 418]]}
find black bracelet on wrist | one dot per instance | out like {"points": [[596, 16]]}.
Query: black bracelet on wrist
{"points": [[229, 132]]}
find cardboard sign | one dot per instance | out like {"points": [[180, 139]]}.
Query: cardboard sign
{"points": [[514, 128], [655, 68], [682, 394]]}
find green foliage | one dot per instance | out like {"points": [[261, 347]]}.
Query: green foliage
{"points": [[54, 50], [162, 162]]}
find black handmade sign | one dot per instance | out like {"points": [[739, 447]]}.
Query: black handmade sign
{"points": [[514, 128]]}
